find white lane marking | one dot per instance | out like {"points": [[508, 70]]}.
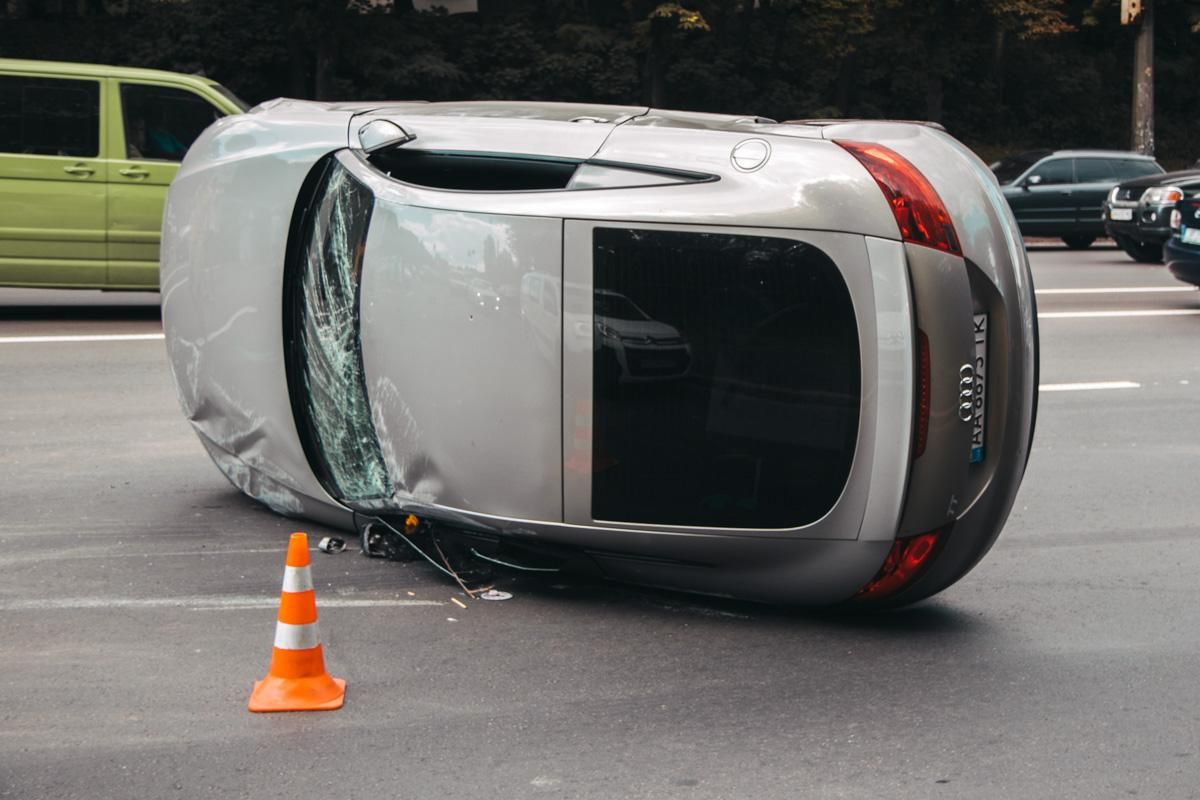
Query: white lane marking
{"points": [[230, 603], [1085, 387], [1119, 290], [1150, 312], [93, 337]]}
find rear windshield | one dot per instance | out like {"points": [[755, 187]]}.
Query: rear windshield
{"points": [[726, 380]]}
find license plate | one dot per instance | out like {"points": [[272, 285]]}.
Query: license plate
{"points": [[979, 421], [1191, 235], [1120, 214]]}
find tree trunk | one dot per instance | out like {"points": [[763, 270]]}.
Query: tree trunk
{"points": [[1143, 82]]}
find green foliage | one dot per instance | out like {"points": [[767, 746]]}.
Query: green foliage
{"points": [[1000, 74]]}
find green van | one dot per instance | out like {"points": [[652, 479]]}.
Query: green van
{"points": [[86, 154]]}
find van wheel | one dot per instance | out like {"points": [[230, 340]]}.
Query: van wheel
{"points": [[1079, 242]]}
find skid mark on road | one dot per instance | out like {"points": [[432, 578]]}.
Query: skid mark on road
{"points": [[198, 603]]}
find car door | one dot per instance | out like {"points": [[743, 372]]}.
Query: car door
{"points": [[1094, 179], [1041, 201], [52, 181], [152, 133]]}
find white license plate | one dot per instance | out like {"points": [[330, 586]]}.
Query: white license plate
{"points": [[979, 421], [1191, 235], [1120, 214]]}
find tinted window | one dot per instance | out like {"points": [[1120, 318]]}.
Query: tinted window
{"points": [[1094, 170], [726, 380], [1009, 169], [49, 116], [1056, 171], [1128, 168], [162, 123]]}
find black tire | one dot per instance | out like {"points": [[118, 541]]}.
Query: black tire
{"points": [[1141, 252], [1079, 241]]}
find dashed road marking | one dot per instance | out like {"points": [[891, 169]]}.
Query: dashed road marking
{"points": [[91, 337], [198, 603], [1149, 312], [1119, 290], [1087, 387]]}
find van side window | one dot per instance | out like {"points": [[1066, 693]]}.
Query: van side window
{"points": [[49, 116], [161, 123]]}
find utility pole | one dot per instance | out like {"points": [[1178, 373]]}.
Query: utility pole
{"points": [[1141, 12]]}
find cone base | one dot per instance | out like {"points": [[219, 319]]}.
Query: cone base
{"points": [[321, 693]]}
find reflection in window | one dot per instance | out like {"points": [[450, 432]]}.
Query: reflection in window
{"points": [[162, 123], [49, 116], [726, 380], [325, 371]]}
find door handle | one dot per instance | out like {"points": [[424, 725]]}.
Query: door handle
{"points": [[134, 172], [79, 169]]}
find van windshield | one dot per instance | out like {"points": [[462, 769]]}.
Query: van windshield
{"points": [[242, 105]]}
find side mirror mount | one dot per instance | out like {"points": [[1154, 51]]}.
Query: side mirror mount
{"points": [[381, 134]]}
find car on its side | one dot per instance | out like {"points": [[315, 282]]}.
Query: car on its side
{"points": [[784, 362], [1137, 213], [86, 155], [1182, 250], [1060, 192]]}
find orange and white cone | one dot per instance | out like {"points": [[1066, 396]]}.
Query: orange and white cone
{"points": [[297, 680]]}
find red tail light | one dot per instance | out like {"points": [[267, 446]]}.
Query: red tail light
{"points": [[920, 213], [922, 393], [904, 563]]}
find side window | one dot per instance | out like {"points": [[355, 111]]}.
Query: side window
{"points": [[162, 123], [49, 116], [1057, 171], [1094, 170], [1126, 169]]}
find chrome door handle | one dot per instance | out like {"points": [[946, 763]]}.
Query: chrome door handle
{"points": [[134, 172], [79, 169]]}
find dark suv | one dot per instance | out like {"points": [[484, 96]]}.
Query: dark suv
{"points": [[1137, 213], [1060, 192]]}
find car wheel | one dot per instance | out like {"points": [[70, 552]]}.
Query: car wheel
{"points": [[1078, 241], [1142, 252]]}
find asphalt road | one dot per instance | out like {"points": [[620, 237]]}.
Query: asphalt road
{"points": [[138, 591]]}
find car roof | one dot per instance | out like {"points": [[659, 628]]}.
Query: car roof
{"points": [[1127, 154], [95, 70]]}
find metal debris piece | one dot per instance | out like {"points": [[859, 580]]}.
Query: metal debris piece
{"points": [[495, 594], [331, 544]]}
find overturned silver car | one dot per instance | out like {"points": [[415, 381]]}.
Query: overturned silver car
{"points": [[786, 362]]}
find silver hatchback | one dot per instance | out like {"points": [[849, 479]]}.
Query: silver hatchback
{"points": [[786, 362]]}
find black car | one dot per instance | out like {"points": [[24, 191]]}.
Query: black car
{"points": [[1060, 192], [1137, 212], [1182, 251]]}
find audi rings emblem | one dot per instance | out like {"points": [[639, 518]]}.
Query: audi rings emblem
{"points": [[966, 393]]}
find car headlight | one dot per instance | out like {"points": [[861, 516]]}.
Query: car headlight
{"points": [[1161, 195]]}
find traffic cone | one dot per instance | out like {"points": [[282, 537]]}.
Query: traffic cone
{"points": [[297, 680]]}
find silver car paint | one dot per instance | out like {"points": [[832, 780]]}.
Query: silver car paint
{"points": [[225, 234]]}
